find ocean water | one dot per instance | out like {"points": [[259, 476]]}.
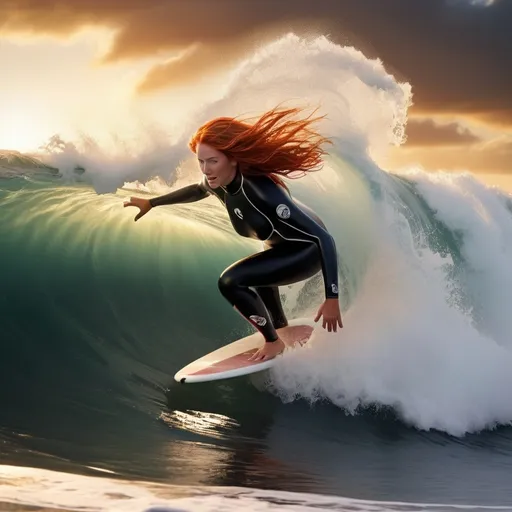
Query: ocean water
{"points": [[406, 408]]}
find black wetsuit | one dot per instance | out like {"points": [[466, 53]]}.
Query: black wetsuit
{"points": [[297, 246]]}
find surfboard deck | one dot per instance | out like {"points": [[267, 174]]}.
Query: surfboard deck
{"points": [[233, 360]]}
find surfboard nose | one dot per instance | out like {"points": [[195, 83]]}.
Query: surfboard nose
{"points": [[233, 360]]}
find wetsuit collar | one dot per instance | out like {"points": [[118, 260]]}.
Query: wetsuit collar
{"points": [[236, 184]]}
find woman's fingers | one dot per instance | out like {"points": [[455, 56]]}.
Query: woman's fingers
{"points": [[255, 356], [133, 201], [137, 202], [331, 324]]}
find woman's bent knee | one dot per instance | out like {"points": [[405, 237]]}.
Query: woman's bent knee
{"points": [[226, 282]]}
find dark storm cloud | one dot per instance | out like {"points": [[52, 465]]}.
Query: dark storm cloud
{"points": [[455, 55], [429, 133]]}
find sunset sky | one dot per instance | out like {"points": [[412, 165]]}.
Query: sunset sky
{"points": [[103, 67]]}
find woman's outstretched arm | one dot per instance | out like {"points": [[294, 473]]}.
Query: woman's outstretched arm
{"points": [[188, 194]]}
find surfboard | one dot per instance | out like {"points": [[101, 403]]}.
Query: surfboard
{"points": [[233, 360]]}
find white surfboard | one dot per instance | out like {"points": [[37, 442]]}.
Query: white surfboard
{"points": [[233, 359]]}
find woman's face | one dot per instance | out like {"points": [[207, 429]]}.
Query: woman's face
{"points": [[215, 165]]}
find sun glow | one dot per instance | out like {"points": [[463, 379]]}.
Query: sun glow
{"points": [[21, 130], [52, 87]]}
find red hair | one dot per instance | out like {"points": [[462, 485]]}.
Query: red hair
{"points": [[274, 145]]}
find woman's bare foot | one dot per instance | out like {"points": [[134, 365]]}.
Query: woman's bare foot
{"points": [[269, 350]]}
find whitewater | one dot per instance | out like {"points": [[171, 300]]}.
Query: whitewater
{"points": [[406, 407]]}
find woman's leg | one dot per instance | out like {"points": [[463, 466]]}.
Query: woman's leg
{"points": [[272, 300], [278, 266]]}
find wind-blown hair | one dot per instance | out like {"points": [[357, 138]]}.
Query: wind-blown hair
{"points": [[275, 145]]}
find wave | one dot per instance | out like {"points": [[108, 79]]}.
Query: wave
{"points": [[93, 301]]}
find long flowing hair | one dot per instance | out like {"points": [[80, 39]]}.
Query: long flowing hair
{"points": [[275, 145]]}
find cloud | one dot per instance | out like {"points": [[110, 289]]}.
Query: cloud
{"points": [[427, 132], [456, 64], [494, 157], [183, 68], [481, 3], [52, 17], [454, 146], [472, 3]]}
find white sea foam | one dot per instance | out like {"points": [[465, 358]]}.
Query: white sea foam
{"points": [[25, 486]]}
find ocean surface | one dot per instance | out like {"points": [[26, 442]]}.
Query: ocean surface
{"points": [[406, 408]]}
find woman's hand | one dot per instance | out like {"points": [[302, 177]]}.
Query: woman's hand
{"points": [[142, 204], [330, 309], [269, 350]]}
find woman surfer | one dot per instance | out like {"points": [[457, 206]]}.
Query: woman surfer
{"points": [[242, 165]]}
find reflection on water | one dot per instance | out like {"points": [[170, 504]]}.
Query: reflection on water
{"points": [[206, 424]]}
